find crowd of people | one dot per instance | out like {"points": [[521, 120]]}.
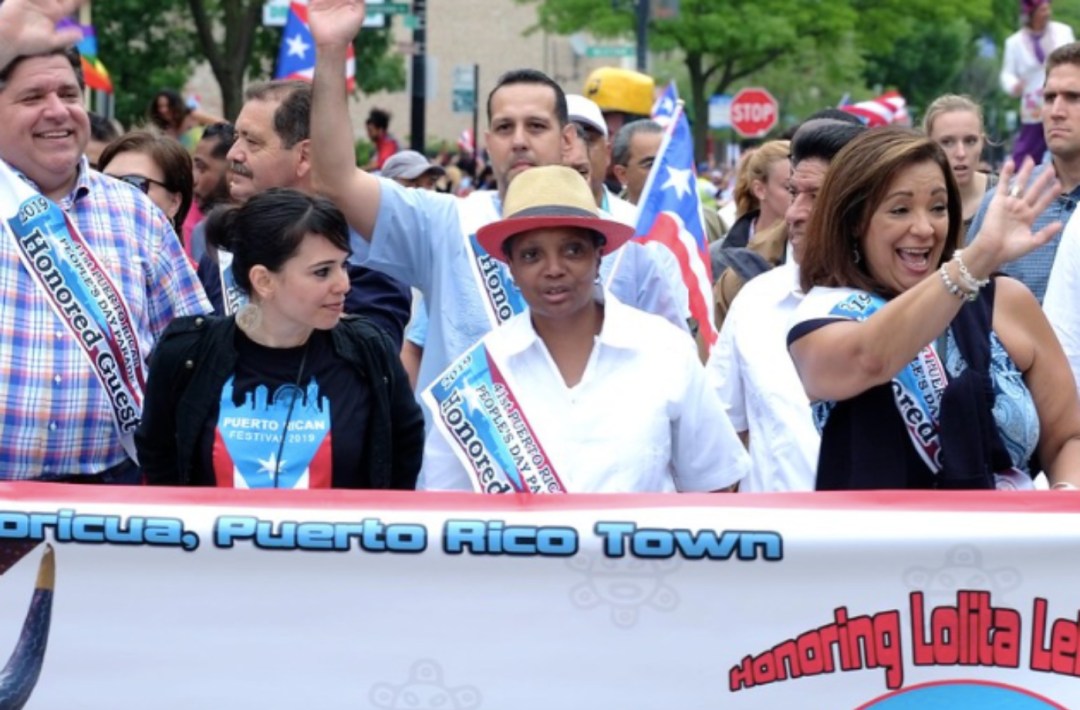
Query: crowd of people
{"points": [[252, 309]]}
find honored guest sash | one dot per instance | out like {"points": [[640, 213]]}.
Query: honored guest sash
{"points": [[474, 406], [82, 295], [917, 389], [500, 295], [232, 298]]}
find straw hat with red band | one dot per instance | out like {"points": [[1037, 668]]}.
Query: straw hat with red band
{"points": [[546, 197]]}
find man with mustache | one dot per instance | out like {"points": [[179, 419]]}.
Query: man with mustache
{"points": [[272, 149], [428, 240]]}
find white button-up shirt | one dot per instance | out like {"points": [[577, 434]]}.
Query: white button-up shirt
{"points": [[1062, 293], [641, 419], [753, 374]]}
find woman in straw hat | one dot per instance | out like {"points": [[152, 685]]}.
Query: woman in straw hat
{"points": [[579, 392]]}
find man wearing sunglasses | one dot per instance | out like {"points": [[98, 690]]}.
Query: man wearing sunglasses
{"points": [[90, 277]]}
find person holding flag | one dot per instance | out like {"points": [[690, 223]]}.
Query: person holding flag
{"points": [[579, 393]]}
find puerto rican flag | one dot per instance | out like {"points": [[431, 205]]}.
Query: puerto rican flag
{"points": [[889, 108], [664, 108], [296, 58], [669, 213]]}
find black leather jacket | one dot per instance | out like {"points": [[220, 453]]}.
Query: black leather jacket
{"points": [[196, 355]]}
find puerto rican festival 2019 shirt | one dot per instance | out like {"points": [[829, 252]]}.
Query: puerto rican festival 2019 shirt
{"points": [[275, 423]]}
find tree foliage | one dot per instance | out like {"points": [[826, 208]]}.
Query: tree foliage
{"points": [[152, 46], [239, 47], [806, 49], [143, 54]]}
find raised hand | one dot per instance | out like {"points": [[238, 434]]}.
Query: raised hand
{"points": [[1006, 232], [335, 21], [29, 27]]}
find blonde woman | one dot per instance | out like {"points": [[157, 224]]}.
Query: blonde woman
{"points": [[761, 192], [956, 124]]}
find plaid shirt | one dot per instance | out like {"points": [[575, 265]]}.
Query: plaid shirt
{"points": [[55, 417], [1033, 269]]}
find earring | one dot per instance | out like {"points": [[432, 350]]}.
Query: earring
{"points": [[249, 317], [855, 252]]}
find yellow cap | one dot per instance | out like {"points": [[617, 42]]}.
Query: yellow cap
{"points": [[625, 90]]}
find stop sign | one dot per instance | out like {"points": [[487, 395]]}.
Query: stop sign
{"points": [[753, 112]]}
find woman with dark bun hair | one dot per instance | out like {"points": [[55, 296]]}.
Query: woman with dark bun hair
{"points": [[288, 393]]}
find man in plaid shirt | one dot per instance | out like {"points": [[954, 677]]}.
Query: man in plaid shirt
{"points": [[56, 422]]}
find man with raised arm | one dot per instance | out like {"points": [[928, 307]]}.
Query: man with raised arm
{"points": [[429, 240]]}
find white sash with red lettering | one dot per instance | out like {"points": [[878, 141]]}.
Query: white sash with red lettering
{"points": [[82, 295]]}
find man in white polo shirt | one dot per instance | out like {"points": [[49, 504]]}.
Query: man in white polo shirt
{"points": [[749, 366]]}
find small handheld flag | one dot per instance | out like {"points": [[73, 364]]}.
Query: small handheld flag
{"points": [[296, 58], [889, 108], [664, 108], [669, 214]]}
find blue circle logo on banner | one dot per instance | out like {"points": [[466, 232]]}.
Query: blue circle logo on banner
{"points": [[947, 695]]}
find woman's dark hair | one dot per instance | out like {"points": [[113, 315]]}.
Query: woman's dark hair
{"points": [[268, 229], [854, 188], [171, 158], [177, 108]]}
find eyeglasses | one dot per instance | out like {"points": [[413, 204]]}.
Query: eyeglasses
{"points": [[141, 182]]}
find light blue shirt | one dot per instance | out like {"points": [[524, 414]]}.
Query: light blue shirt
{"points": [[1033, 269], [418, 240]]}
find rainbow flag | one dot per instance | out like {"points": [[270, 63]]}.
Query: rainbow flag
{"points": [[94, 72]]}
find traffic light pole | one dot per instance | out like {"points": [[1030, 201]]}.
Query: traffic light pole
{"points": [[417, 128], [642, 34]]}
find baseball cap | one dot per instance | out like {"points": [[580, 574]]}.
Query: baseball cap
{"points": [[409, 165], [582, 110]]}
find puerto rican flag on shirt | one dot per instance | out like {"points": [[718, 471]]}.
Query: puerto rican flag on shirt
{"points": [[296, 58], [669, 213]]}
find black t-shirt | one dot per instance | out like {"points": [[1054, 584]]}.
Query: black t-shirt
{"points": [[324, 408]]}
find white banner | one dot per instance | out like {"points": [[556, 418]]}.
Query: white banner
{"points": [[202, 598]]}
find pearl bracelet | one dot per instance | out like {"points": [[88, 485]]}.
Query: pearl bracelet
{"points": [[953, 288], [972, 283]]}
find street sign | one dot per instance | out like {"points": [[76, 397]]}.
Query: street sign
{"points": [[610, 52], [374, 17], [720, 111], [390, 8], [275, 13], [754, 112], [463, 88]]}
